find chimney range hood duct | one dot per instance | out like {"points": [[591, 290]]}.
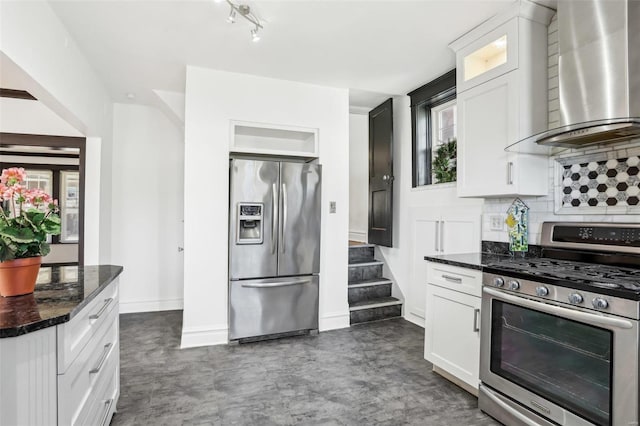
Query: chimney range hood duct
{"points": [[599, 73]]}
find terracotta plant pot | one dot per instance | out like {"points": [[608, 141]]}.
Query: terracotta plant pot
{"points": [[18, 276]]}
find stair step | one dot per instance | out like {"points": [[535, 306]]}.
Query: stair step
{"points": [[366, 263], [363, 245], [369, 283], [375, 310], [375, 303], [359, 254]]}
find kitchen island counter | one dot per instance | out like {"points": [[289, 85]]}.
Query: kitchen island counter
{"points": [[61, 293]]}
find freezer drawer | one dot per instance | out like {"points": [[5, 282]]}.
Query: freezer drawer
{"points": [[273, 305]]}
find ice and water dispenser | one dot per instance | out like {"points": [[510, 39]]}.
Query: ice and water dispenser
{"points": [[250, 223]]}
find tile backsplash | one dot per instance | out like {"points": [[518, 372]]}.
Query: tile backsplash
{"points": [[553, 206]]}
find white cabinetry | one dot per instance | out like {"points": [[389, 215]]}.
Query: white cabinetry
{"points": [[67, 374], [502, 98], [437, 231], [89, 362], [452, 326]]}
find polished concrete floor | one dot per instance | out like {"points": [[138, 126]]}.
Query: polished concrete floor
{"points": [[370, 374]]}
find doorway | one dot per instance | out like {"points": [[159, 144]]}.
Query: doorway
{"points": [[55, 164]]}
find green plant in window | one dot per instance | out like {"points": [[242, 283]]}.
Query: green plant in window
{"points": [[444, 163]]}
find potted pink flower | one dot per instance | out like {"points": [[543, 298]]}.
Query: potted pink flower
{"points": [[27, 217]]}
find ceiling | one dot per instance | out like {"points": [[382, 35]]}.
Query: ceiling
{"points": [[374, 48]]}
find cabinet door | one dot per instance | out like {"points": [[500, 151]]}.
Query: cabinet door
{"points": [[460, 232], [425, 230], [487, 123], [491, 55], [452, 333]]}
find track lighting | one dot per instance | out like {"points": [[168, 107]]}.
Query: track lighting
{"points": [[244, 11], [232, 16], [254, 34]]}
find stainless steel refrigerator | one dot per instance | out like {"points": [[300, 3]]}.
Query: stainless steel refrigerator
{"points": [[274, 247]]}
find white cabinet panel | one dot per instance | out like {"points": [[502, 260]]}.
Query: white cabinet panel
{"points": [[460, 232], [452, 333], [425, 232], [28, 379], [487, 123], [435, 231]]}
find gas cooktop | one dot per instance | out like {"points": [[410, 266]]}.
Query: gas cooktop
{"points": [[598, 257], [570, 273]]}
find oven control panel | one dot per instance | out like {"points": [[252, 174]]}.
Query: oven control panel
{"points": [[611, 235], [560, 295]]}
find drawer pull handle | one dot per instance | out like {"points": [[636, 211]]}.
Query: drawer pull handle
{"points": [[102, 359], [107, 302], [107, 406], [450, 278], [476, 320]]}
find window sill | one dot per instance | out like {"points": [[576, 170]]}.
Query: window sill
{"points": [[434, 186]]}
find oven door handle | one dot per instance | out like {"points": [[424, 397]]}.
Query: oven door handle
{"points": [[558, 310]]}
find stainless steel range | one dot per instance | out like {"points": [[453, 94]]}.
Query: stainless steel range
{"points": [[560, 333]]}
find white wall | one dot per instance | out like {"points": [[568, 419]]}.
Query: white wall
{"points": [[213, 99], [29, 116], [148, 183], [358, 176], [35, 44], [407, 266]]}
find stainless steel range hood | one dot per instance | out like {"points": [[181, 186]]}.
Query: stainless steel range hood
{"points": [[599, 73]]}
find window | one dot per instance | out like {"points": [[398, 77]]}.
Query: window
{"points": [[434, 134], [69, 204], [64, 186]]}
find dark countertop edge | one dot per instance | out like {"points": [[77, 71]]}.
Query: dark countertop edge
{"points": [[50, 322], [115, 273], [445, 261]]}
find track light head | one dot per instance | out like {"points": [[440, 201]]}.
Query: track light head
{"points": [[232, 16], [254, 35]]}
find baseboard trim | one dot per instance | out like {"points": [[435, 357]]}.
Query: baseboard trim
{"points": [[358, 236], [335, 321], [151, 306], [412, 318], [204, 336]]}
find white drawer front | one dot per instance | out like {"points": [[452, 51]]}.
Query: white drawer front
{"points": [[104, 396], [74, 335], [464, 280], [94, 365]]}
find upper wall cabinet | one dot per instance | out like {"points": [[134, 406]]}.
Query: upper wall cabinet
{"points": [[502, 98], [267, 139]]}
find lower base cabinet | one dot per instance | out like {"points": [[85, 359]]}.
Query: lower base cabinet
{"points": [[67, 374], [452, 323]]}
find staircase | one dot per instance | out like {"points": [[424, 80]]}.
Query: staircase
{"points": [[369, 293]]}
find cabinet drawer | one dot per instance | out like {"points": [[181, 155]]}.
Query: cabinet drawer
{"points": [[464, 280], [75, 334], [93, 366], [105, 396]]}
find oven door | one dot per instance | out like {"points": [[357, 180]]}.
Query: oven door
{"points": [[570, 366]]}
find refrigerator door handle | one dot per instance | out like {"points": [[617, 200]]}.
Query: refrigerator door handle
{"points": [[284, 216], [274, 217], [279, 284]]}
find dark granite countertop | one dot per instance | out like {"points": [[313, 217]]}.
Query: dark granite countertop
{"points": [[467, 260], [492, 252], [61, 292]]}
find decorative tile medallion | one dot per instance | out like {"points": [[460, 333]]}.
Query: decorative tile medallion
{"points": [[602, 183]]}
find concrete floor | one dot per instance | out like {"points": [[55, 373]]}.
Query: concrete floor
{"points": [[370, 374]]}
